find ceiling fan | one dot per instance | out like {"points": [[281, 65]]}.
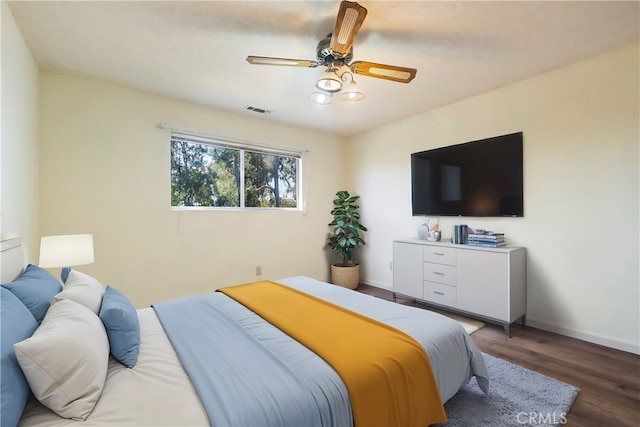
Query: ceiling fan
{"points": [[335, 52]]}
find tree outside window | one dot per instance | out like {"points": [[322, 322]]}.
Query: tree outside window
{"points": [[207, 174]]}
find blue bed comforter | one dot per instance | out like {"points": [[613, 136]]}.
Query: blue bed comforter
{"points": [[247, 372]]}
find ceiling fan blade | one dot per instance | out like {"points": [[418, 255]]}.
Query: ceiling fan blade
{"points": [[348, 22], [268, 60], [383, 71]]}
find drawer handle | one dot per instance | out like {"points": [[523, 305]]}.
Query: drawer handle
{"points": [[438, 253], [438, 273], [438, 293]]}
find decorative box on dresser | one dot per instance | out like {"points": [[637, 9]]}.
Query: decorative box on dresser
{"points": [[487, 283]]}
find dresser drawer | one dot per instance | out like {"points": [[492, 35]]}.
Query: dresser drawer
{"points": [[440, 273], [439, 293], [440, 255]]}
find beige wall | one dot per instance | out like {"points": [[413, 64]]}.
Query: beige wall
{"points": [[105, 170], [19, 143], [581, 222]]}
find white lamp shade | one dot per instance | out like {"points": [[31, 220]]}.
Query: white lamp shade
{"points": [[320, 98], [66, 251], [329, 82], [352, 93]]}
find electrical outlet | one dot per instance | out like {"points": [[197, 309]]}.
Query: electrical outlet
{"points": [[258, 270]]}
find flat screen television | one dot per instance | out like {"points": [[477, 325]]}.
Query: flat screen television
{"points": [[481, 178]]}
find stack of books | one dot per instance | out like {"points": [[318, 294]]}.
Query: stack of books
{"points": [[487, 239]]}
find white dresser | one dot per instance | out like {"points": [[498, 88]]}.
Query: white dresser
{"points": [[487, 283]]}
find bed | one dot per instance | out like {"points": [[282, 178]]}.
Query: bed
{"points": [[192, 369]]}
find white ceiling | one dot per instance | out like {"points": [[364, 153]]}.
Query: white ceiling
{"points": [[195, 50]]}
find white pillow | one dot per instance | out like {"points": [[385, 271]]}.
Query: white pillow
{"points": [[65, 361], [83, 289]]}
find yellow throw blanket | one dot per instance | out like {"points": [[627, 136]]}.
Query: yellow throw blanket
{"points": [[387, 372]]}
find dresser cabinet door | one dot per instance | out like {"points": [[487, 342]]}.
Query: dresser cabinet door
{"points": [[407, 269], [483, 283]]}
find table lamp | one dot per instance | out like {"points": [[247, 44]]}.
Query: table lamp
{"points": [[66, 251]]}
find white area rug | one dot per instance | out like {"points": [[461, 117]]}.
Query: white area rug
{"points": [[470, 325]]}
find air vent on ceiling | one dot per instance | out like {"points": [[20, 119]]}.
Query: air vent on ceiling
{"points": [[258, 110]]}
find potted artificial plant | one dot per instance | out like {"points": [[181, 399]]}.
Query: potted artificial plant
{"points": [[345, 236]]}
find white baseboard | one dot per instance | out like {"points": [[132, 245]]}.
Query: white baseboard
{"points": [[595, 339]]}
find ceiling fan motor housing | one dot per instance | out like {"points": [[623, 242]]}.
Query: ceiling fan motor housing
{"points": [[326, 56]]}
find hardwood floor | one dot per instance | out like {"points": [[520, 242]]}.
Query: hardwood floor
{"points": [[609, 379]]}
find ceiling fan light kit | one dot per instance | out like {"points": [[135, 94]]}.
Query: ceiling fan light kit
{"points": [[336, 51], [321, 98], [352, 93], [330, 82]]}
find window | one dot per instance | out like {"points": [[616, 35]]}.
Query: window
{"points": [[216, 174]]}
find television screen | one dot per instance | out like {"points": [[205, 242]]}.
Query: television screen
{"points": [[477, 178]]}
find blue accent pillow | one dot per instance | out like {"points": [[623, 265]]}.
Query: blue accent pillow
{"points": [[64, 274], [36, 288], [16, 324], [120, 319]]}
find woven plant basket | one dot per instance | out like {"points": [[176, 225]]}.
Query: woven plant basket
{"points": [[347, 277]]}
